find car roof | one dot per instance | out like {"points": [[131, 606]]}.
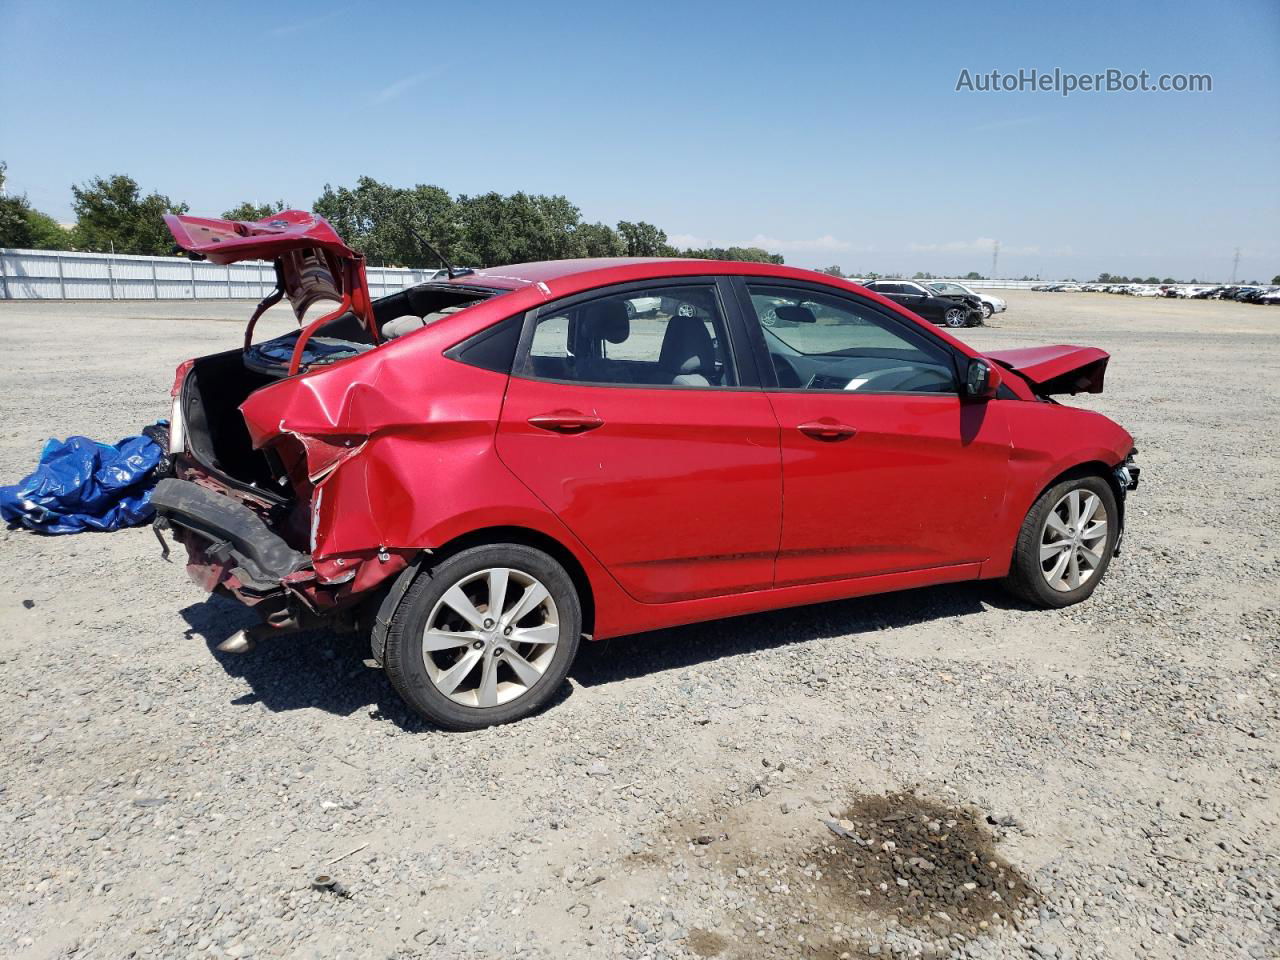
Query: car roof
{"points": [[601, 271]]}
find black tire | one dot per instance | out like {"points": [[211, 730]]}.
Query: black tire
{"points": [[404, 659], [955, 317], [986, 311], [1026, 578]]}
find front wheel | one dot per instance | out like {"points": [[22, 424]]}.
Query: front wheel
{"points": [[987, 310], [1066, 543], [485, 637], [956, 317]]}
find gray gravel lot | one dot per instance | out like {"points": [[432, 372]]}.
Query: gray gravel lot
{"points": [[933, 773]]}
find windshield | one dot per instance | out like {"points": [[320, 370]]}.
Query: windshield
{"points": [[953, 289]]}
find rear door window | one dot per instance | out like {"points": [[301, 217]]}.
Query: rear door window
{"points": [[657, 336]]}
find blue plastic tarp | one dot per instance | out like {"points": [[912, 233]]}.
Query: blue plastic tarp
{"points": [[81, 484]]}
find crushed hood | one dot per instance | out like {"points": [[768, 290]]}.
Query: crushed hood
{"points": [[1061, 368], [312, 261]]}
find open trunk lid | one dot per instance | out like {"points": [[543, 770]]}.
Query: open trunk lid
{"points": [[312, 263], [1057, 369]]}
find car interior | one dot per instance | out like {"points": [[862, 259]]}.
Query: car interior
{"points": [[422, 306], [344, 336], [675, 339]]}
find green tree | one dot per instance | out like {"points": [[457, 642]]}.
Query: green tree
{"points": [[23, 226], [599, 240], [746, 254], [974, 275], [522, 227], [642, 239], [46, 232], [487, 229], [254, 211], [379, 220], [1275, 281], [112, 213]]}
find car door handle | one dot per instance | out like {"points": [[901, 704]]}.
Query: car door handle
{"points": [[827, 430], [566, 421]]}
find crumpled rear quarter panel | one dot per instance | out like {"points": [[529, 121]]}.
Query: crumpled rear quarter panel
{"points": [[422, 426]]}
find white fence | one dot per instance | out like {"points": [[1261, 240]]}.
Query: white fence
{"points": [[63, 275]]}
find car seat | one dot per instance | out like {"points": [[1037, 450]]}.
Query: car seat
{"points": [[688, 356]]}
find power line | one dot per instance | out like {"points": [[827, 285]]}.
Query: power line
{"points": [[1235, 265], [995, 257]]}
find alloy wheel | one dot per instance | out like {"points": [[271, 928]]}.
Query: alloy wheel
{"points": [[955, 317], [1073, 540], [491, 637]]}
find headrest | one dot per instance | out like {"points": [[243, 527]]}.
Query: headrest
{"points": [[607, 320], [687, 346]]}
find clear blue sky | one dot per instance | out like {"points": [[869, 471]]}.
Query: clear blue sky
{"points": [[829, 131]]}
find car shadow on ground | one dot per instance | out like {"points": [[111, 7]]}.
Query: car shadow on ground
{"points": [[676, 648], [327, 671]]}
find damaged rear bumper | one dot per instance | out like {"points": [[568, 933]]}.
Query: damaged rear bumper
{"points": [[233, 538], [239, 551]]}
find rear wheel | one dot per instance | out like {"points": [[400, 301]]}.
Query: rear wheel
{"points": [[1066, 543], [485, 637]]}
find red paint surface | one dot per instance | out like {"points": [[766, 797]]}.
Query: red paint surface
{"points": [[311, 259], [918, 485], [228, 241], [1054, 366], [676, 504]]}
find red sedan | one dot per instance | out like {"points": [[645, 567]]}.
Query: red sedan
{"points": [[483, 469]]}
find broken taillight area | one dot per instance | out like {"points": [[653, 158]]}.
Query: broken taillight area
{"points": [[308, 460]]}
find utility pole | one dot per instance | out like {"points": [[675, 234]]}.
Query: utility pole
{"points": [[995, 257], [1235, 265]]}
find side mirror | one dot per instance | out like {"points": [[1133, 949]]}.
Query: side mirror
{"points": [[981, 380]]}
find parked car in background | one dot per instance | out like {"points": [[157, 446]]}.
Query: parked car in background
{"points": [[952, 311], [989, 303], [543, 464]]}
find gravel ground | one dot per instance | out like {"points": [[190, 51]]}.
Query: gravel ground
{"points": [[933, 773]]}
